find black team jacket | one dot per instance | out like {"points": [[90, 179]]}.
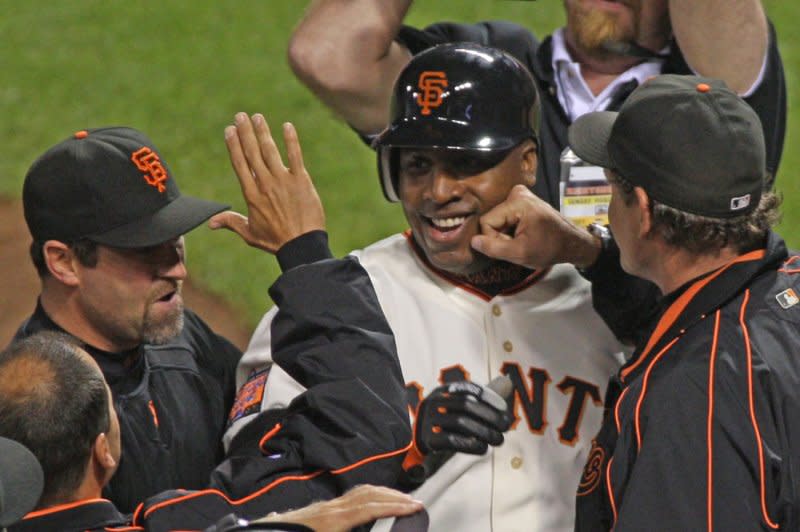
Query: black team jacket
{"points": [[702, 425], [172, 403]]}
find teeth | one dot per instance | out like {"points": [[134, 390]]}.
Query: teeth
{"points": [[448, 222]]}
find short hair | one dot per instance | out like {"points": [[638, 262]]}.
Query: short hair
{"points": [[85, 250], [54, 402], [703, 235]]}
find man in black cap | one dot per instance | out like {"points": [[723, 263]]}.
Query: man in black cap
{"points": [[107, 221], [701, 428]]}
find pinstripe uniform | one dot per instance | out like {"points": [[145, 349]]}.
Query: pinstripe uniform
{"points": [[702, 431], [542, 333]]}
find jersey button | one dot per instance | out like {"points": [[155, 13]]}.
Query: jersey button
{"points": [[496, 310], [516, 462], [508, 346]]}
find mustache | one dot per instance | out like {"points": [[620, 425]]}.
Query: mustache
{"points": [[166, 288]]}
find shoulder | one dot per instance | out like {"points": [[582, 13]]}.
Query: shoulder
{"points": [[565, 286], [392, 245], [392, 254]]}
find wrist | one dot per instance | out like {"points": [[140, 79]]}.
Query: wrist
{"points": [[305, 249], [596, 240]]}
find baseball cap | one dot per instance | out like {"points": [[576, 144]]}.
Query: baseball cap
{"points": [[21, 481], [111, 186], [690, 142]]}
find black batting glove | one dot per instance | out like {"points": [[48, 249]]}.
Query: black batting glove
{"points": [[461, 417]]}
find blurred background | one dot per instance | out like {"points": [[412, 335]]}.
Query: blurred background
{"points": [[179, 70]]}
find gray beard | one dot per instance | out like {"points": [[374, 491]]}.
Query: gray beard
{"points": [[160, 332]]}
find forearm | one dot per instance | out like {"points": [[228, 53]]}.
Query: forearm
{"points": [[344, 51], [724, 39]]}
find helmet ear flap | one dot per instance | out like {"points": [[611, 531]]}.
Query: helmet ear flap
{"points": [[387, 172]]}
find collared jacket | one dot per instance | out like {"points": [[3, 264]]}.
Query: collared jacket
{"points": [[702, 425]]}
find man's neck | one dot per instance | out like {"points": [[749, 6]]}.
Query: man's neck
{"points": [[88, 490], [598, 68], [679, 267]]}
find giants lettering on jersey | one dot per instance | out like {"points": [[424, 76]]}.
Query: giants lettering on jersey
{"points": [[529, 398]]}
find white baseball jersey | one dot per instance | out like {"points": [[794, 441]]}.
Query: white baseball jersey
{"points": [[545, 336]]}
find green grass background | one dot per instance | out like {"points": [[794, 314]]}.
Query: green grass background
{"points": [[179, 70]]}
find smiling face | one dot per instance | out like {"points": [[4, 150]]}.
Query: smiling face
{"points": [[445, 192], [591, 23], [133, 296]]}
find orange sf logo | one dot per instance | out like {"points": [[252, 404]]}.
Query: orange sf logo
{"points": [[593, 470], [148, 162], [432, 84]]}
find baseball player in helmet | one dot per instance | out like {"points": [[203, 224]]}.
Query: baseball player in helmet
{"points": [[463, 134]]}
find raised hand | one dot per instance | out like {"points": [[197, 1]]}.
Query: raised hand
{"points": [[282, 202]]}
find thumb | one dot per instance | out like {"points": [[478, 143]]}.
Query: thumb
{"points": [[232, 221], [496, 245]]}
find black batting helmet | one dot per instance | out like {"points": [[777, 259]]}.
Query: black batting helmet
{"points": [[459, 96]]}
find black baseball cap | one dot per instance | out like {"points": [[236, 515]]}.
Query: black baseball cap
{"points": [[690, 142], [21, 481], [110, 186]]}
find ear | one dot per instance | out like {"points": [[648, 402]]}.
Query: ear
{"points": [[643, 207], [101, 451], [530, 162], [60, 262]]}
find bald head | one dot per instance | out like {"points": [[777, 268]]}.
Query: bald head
{"points": [[53, 400]]}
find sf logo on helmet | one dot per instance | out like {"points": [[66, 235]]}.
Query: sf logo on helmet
{"points": [[432, 84]]}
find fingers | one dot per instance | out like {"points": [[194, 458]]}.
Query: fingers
{"points": [[282, 202], [462, 417], [367, 503], [238, 161], [464, 435], [293, 151], [498, 246], [359, 506], [467, 417], [251, 144], [268, 150], [232, 221], [367, 492], [506, 215]]}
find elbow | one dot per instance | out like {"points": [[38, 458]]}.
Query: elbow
{"points": [[315, 64], [303, 57]]}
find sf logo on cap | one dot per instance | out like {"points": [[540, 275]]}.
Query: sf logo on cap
{"points": [[432, 84], [148, 162]]}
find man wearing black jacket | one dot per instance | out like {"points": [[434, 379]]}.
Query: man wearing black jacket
{"points": [[107, 221], [700, 428]]}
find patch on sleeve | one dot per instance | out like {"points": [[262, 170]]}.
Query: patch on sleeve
{"points": [[787, 299], [248, 400]]}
